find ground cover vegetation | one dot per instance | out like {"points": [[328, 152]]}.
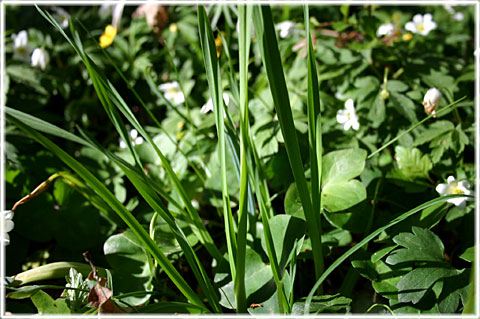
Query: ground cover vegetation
{"points": [[239, 159]]}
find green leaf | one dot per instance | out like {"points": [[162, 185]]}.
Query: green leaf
{"points": [[396, 86], [420, 246], [46, 305], [286, 230], [259, 283], [414, 285], [404, 106], [323, 304], [339, 191], [434, 130], [468, 254], [130, 263], [342, 195], [411, 163]]}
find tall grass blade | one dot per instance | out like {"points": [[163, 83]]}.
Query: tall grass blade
{"points": [[215, 87], [264, 29]]}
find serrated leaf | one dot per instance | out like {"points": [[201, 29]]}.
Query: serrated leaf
{"points": [[321, 304], [414, 285], [420, 246], [434, 130], [404, 106], [411, 162]]}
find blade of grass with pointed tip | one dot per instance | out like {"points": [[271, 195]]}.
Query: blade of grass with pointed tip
{"points": [[267, 41], [215, 87], [374, 234], [111, 200], [314, 131]]}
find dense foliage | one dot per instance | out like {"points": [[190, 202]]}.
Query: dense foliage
{"points": [[227, 170]]}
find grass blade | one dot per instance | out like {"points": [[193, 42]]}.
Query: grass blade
{"points": [[267, 41]]}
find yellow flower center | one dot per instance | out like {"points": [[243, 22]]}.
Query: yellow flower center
{"points": [[458, 191], [407, 37], [420, 26], [106, 39], [173, 28]]}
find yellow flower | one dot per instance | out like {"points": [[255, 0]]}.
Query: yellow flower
{"points": [[407, 37], [106, 39]]}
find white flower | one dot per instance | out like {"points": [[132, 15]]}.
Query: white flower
{"points": [[208, 107], [115, 10], [431, 100], [134, 138], [454, 187], [21, 48], [421, 24], [348, 117], [286, 28], [40, 58], [386, 29], [61, 16], [458, 16], [172, 92], [6, 225]]}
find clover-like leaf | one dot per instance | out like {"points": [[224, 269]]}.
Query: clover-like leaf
{"points": [[339, 191]]}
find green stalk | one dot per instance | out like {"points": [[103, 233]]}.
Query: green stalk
{"points": [[414, 127], [245, 14], [214, 83], [314, 134]]}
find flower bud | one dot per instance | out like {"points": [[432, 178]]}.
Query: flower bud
{"points": [[431, 100]]}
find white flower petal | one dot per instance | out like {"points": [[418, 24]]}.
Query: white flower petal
{"points": [[6, 239], [9, 225], [133, 134], [123, 144], [207, 107], [458, 16], [450, 179], [464, 184], [342, 116], [410, 26], [138, 140], [442, 189], [347, 125], [427, 18], [418, 18], [355, 125], [349, 105]]}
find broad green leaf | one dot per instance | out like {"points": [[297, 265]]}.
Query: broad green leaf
{"points": [[343, 165], [468, 254], [339, 192], [259, 282], [130, 263], [414, 285], [420, 246], [396, 86], [342, 195], [285, 231], [323, 304], [46, 305]]}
